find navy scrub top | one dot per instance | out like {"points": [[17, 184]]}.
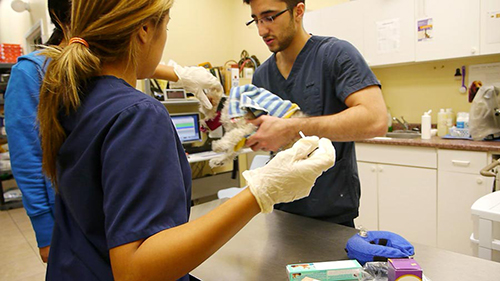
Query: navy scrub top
{"points": [[324, 74], [123, 176]]}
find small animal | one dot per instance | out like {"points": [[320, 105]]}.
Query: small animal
{"points": [[247, 102]]}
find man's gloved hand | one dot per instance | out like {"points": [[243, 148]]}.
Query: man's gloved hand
{"points": [[291, 174], [195, 79]]}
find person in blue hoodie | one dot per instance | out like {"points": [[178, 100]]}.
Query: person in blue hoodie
{"points": [[21, 102]]}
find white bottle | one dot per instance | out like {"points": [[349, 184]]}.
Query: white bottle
{"points": [[441, 123], [426, 125], [450, 118]]}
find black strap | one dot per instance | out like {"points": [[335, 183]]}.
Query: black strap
{"points": [[383, 242], [379, 258]]}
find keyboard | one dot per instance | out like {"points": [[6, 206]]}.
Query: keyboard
{"points": [[202, 156]]}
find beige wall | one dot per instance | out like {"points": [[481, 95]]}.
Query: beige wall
{"points": [[410, 90], [200, 31], [14, 25]]}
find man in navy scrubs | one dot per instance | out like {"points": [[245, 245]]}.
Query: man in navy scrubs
{"points": [[331, 82]]}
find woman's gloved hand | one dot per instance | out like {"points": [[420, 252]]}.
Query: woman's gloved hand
{"points": [[195, 79], [291, 174]]}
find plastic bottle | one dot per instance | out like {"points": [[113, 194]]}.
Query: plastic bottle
{"points": [[426, 125], [460, 120], [450, 118], [441, 123], [463, 124]]}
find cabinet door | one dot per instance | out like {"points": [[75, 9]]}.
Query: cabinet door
{"points": [[490, 27], [455, 29], [343, 21], [407, 202], [368, 206], [456, 194], [389, 31]]}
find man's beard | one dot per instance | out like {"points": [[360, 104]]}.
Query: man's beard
{"points": [[289, 34]]}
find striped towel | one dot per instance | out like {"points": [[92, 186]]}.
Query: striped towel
{"points": [[259, 101]]}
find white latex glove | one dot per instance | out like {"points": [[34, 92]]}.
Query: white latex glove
{"points": [[290, 175], [195, 79]]}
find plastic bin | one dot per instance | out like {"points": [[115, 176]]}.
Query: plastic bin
{"points": [[486, 236]]}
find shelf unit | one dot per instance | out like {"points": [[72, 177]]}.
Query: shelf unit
{"points": [[6, 66], [18, 203]]}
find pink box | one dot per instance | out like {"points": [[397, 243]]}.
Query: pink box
{"points": [[407, 269]]}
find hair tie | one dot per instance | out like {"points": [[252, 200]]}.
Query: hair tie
{"points": [[78, 40]]}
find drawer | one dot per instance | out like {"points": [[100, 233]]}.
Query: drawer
{"points": [[398, 155], [470, 162]]}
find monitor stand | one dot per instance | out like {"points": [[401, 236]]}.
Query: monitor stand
{"points": [[190, 149]]}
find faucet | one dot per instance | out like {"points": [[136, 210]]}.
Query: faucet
{"points": [[405, 124]]}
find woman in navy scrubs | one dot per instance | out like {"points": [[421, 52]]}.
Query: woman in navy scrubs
{"points": [[122, 179]]}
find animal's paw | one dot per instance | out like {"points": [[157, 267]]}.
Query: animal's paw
{"points": [[216, 162]]}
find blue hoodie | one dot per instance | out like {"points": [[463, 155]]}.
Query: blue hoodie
{"points": [[21, 103]]}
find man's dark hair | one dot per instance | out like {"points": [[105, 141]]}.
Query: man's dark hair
{"points": [[289, 3], [60, 13]]}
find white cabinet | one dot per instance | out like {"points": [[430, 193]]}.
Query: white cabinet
{"points": [[398, 190], [407, 202], [490, 27], [455, 29], [459, 186], [389, 31], [343, 21], [386, 31], [368, 205], [423, 194]]}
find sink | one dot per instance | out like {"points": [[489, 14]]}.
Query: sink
{"points": [[403, 134]]}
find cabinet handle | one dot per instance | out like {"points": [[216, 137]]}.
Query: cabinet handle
{"points": [[373, 169], [380, 169], [479, 181], [473, 50], [460, 163]]}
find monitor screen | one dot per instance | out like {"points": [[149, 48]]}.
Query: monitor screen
{"points": [[187, 126]]}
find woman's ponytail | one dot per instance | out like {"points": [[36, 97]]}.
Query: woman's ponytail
{"points": [[67, 71]]}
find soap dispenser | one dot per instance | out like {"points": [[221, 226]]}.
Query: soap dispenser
{"points": [[426, 126]]}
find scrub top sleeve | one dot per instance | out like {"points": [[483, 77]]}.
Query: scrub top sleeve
{"points": [[21, 101], [350, 72], [143, 184]]}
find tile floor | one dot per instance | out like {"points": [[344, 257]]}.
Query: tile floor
{"points": [[19, 258]]}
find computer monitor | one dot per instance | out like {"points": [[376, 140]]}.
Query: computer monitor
{"points": [[187, 126]]}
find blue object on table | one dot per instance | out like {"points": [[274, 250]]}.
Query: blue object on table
{"points": [[378, 246]]}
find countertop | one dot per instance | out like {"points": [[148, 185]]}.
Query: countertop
{"points": [[262, 249], [438, 142]]}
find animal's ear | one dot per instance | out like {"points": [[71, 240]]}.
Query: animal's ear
{"points": [[224, 102]]}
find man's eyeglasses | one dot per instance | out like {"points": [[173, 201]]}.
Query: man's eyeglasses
{"points": [[266, 20]]}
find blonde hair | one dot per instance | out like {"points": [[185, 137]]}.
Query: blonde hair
{"points": [[109, 28]]}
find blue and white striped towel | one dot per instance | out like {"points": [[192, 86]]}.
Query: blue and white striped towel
{"points": [[259, 101]]}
